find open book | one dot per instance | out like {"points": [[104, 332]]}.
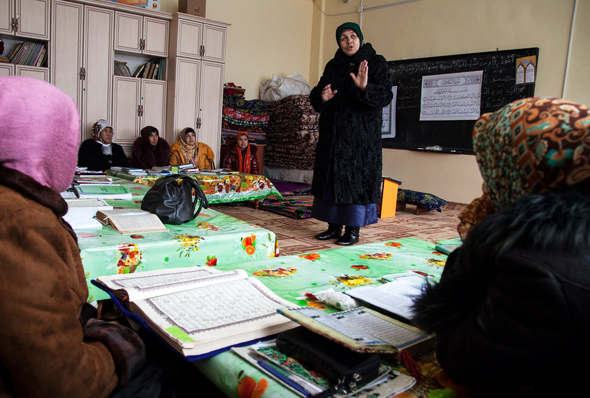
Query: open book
{"points": [[394, 298], [130, 221], [199, 311], [81, 212], [363, 330]]}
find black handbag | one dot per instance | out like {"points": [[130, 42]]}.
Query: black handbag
{"points": [[172, 200], [345, 369]]}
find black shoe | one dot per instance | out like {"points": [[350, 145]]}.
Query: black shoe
{"points": [[334, 231], [350, 237]]}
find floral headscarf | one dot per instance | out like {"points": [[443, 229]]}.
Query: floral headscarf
{"points": [[529, 146], [189, 152]]}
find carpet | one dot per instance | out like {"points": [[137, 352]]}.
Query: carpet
{"points": [[287, 207], [291, 189]]}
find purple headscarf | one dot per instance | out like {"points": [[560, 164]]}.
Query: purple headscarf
{"points": [[39, 131]]}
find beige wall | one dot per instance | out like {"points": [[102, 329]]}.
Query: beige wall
{"points": [[283, 36]]}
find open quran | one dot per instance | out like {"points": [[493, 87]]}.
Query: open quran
{"points": [[199, 311]]}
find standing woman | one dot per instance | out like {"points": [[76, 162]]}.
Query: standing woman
{"points": [[150, 150], [350, 96], [100, 152], [188, 150]]}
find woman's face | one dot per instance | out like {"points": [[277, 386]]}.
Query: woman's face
{"points": [[153, 138], [243, 141], [190, 138], [106, 135], [349, 42]]}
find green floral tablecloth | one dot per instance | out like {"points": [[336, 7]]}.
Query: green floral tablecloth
{"points": [[211, 239], [293, 277], [219, 188]]}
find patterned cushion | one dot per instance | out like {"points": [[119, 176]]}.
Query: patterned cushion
{"points": [[426, 200]]}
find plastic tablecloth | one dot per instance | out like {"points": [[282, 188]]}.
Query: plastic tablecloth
{"points": [[219, 188], [294, 277], [211, 239]]}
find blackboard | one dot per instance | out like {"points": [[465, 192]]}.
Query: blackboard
{"points": [[498, 89]]}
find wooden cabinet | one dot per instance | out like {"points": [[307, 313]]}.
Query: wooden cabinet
{"points": [[140, 34], [25, 18], [24, 70], [137, 103], [82, 58], [195, 80], [198, 40]]}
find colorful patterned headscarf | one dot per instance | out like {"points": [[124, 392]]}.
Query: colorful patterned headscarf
{"points": [[189, 152], [243, 156], [529, 146]]}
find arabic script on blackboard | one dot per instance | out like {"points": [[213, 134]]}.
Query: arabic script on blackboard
{"points": [[453, 96]]}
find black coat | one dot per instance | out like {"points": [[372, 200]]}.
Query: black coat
{"points": [[349, 144], [144, 158], [90, 155], [512, 308]]}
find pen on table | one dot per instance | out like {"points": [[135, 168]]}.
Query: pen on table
{"points": [[275, 372]]}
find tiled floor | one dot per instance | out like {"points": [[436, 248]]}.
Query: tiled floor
{"points": [[297, 236]]}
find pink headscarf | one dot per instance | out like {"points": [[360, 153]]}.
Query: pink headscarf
{"points": [[39, 131]]}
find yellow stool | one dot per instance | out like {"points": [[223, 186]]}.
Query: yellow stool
{"points": [[389, 187]]}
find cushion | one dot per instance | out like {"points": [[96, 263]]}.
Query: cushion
{"points": [[426, 200]]}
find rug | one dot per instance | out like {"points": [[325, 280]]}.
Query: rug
{"points": [[287, 207], [291, 189]]}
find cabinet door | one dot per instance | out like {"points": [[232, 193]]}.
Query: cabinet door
{"points": [[98, 62], [153, 101], [33, 18], [6, 15], [66, 49], [214, 43], [155, 34], [189, 39], [126, 102], [211, 102], [6, 70], [128, 32], [186, 101], [32, 71]]}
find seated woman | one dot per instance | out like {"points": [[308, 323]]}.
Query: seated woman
{"points": [[50, 344], [100, 152], [188, 150], [150, 150], [242, 156], [511, 309]]}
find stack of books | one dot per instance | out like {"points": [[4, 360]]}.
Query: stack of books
{"points": [[153, 69], [121, 69], [29, 53]]}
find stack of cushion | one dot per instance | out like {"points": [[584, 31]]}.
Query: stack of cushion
{"points": [[242, 115], [292, 133]]}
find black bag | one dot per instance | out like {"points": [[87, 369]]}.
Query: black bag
{"points": [[344, 368], [171, 199]]}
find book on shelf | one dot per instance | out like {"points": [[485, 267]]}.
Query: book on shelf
{"points": [[139, 71], [42, 57], [112, 191], [199, 311], [394, 298], [364, 330], [4, 60], [81, 212], [15, 51], [131, 221]]}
